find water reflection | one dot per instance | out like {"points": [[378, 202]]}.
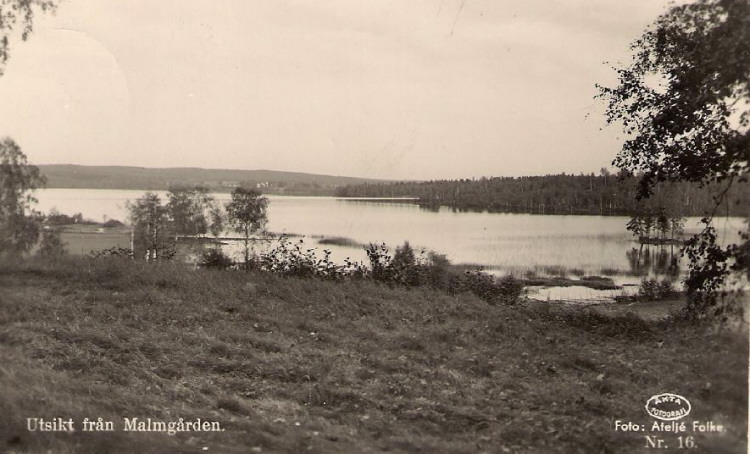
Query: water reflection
{"points": [[654, 260]]}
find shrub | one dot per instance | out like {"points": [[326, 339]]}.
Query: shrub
{"points": [[506, 290], [437, 270], [404, 268], [380, 262], [407, 269], [115, 251], [292, 259], [113, 223], [665, 289], [51, 245], [653, 289], [476, 282], [215, 258], [289, 259], [510, 289]]}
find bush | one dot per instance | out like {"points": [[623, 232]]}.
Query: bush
{"points": [[291, 259], [113, 223], [654, 290], [215, 258], [404, 268], [116, 251], [476, 282], [510, 289], [380, 262], [437, 270], [507, 290], [51, 245]]}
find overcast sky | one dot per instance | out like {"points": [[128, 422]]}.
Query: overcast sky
{"points": [[372, 88]]}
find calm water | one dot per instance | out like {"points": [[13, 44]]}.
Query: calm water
{"points": [[500, 242]]}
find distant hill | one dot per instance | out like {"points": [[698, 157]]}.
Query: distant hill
{"points": [[220, 180]]}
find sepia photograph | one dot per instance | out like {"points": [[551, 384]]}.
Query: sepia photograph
{"points": [[364, 226]]}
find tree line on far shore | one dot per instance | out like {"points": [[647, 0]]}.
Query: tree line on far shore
{"points": [[603, 194]]}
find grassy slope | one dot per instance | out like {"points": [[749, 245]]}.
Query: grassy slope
{"points": [[128, 177], [291, 366]]}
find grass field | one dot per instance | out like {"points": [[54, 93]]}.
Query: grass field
{"points": [[288, 365]]}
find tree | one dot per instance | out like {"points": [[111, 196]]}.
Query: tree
{"points": [[216, 226], [684, 101], [246, 214], [152, 238], [405, 266], [20, 225], [52, 244], [193, 211], [21, 12]]}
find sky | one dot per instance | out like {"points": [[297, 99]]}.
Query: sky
{"points": [[394, 89]]}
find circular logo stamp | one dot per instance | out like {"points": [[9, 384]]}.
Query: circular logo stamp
{"points": [[668, 406]]}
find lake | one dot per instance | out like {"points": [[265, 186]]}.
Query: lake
{"points": [[499, 242]]}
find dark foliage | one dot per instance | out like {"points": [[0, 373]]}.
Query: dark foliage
{"points": [[152, 237], [403, 269], [689, 75], [506, 290], [684, 102], [214, 258], [116, 251], [20, 224], [51, 244], [656, 226], [406, 269], [653, 289], [555, 194], [246, 215], [18, 12], [193, 211], [293, 259], [113, 223]]}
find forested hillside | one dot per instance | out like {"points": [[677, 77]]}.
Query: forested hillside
{"points": [[220, 180], [557, 194]]}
